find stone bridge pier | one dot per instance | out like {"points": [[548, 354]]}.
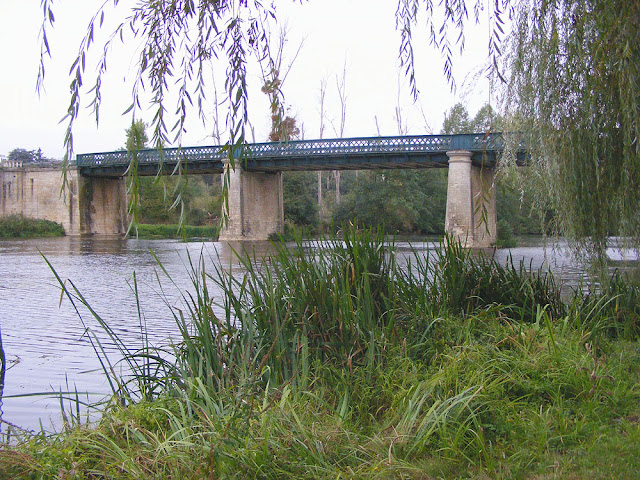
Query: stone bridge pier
{"points": [[255, 205], [88, 205], [471, 201], [103, 205]]}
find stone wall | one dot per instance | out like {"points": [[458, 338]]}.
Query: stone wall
{"points": [[86, 206], [36, 193]]}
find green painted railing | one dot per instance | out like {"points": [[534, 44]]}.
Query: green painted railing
{"points": [[372, 152]]}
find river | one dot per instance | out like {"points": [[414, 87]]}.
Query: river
{"points": [[47, 347]]}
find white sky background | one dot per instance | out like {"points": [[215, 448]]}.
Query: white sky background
{"points": [[360, 34]]}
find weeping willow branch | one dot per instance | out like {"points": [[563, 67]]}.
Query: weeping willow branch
{"points": [[178, 38], [575, 85]]}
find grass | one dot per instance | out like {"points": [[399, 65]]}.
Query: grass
{"points": [[175, 231], [19, 226], [331, 362]]}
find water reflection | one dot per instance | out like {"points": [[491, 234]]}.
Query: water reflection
{"points": [[45, 339]]}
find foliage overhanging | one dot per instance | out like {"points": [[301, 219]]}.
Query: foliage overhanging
{"points": [[575, 84]]}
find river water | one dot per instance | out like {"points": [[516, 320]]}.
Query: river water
{"points": [[44, 337]]}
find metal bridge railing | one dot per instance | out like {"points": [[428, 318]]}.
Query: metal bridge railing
{"points": [[426, 144]]}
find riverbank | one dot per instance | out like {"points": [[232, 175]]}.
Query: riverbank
{"points": [[18, 226], [149, 231], [344, 366]]}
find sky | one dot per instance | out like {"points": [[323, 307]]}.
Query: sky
{"points": [[357, 37]]}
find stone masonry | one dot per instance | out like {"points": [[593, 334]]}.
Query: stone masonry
{"points": [[37, 193], [471, 202], [86, 206], [255, 205]]}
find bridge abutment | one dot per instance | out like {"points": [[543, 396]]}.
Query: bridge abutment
{"points": [[471, 202], [35, 192], [255, 208]]}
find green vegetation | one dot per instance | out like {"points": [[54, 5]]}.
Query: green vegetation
{"points": [[332, 362], [408, 201], [200, 197], [300, 198], [574, 72], [18, 226], [210, 232], [411, 202], [27, 157], [167, 200]]}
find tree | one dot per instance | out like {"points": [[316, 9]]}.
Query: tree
{"points": [[456, 120], [157, 195], [407, 201], [21, 155], [486, 120], [575, 80], [321, 99], [299, 194], [137, 138]]}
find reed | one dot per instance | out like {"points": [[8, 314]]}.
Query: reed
{"points": [[611, 308], [326, 360]]}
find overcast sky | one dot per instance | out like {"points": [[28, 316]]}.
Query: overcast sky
{"points": [[358, 34]]}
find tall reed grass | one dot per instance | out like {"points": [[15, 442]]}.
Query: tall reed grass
{"points": [[340, 304], [328, 360]]}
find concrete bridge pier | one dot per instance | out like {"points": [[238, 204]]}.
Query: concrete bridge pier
{"points": [[103, 205], [471, 202], [255, 208]]}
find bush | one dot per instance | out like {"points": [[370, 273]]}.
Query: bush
{"points": [[19, 226]]}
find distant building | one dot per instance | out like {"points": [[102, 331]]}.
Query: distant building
{"points": [[6, 163], [40, 163]]}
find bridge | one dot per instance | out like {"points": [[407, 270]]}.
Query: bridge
{"points": [[418, 151], [255, 203]]}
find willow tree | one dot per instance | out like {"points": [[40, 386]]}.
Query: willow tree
{"points": [[575, 80]]}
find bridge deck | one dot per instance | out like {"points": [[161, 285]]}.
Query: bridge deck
{"points": [[422, 151]]}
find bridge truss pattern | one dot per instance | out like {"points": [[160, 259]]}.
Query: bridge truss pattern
{"points": [[421, 151]]}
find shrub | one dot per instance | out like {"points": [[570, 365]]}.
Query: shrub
{"points": [[19, 226]]}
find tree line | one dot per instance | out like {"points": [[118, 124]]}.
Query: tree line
{"points": [[27, 157], [409, 201]]}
